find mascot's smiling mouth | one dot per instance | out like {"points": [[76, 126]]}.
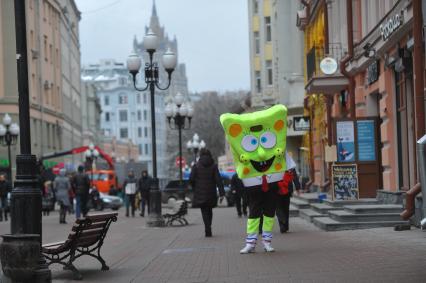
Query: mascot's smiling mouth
{"points": [[262, 166]]}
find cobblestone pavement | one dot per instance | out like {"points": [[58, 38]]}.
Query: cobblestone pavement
{"points": [[136, 253]]}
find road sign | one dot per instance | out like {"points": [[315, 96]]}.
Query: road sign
{"points": [[177, 162]]}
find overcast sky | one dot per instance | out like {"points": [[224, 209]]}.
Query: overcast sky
{"points": [[212, 36]]}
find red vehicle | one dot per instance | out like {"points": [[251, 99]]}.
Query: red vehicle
{"points": [[105, 180]]}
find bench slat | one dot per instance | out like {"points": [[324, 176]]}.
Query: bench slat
{"points": [[90, 227], [98, 217]]}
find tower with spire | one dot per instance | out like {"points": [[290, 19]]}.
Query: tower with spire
{"points": [[179, 83]]}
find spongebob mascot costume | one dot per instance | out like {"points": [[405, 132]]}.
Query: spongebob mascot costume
{"points": [[258, 144]]}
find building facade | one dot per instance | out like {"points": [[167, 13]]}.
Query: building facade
{"points": [[276, 63], [374, 88], [52, 42], [90, 114]]}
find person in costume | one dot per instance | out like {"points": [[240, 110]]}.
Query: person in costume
{"points": [[286, 187], [258, 143]]}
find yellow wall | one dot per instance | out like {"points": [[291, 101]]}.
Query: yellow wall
{"points": [[256, 23], [268, 51], [314, 34], [257, 65], [266, 8]]}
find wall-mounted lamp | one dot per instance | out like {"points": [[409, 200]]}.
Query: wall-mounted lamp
{"points": [[369, 51]]}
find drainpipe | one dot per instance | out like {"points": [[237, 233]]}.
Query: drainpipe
{"points": [[347, 58], [419, 98]]}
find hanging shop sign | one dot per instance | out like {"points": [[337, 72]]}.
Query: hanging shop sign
{"points": [[328, 65], [301, 123], [373, 72], [366, 142], [345, 182], [391, 25], [345, 141]]}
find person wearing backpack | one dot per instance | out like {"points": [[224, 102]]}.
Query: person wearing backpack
{"points": [[81, 184], [130, 188]]}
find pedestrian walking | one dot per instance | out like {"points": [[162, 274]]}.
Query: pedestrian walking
{"points": [[81, 184], [145, 183], [285, 192], [204, 179], [5, 189], [239, 194], [130, 188], [62, 187]]}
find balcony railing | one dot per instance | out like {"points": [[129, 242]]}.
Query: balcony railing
{"points": [[317, 53]]}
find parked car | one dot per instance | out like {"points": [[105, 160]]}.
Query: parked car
{"points": [[173, 190], [101, 201]]}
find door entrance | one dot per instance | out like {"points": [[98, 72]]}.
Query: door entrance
{"points": [[405, 127]]}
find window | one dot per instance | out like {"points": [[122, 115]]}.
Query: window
{"points": [[139, 115], [255, 6], [138, 98], [45, 48], [107, 116], [144, 98], [139, 132], [258, 81], [123, 115], [145, 132], [268, 28], [122, 99], [106, 100], [145, 115], [124, 133], [256, 42], [146, 149], [269, 71], [140, 149]]}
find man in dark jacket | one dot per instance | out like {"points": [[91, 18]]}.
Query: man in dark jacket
{"points": [[204, 179], [237, 189], [5, 188], [81, 185], [144, 188], [130, 188]]}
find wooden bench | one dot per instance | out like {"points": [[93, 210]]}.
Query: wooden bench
{"points": [[180, 209], [86, 238]]}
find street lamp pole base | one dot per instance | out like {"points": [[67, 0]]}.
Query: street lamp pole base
{"points": [[155, 218]]}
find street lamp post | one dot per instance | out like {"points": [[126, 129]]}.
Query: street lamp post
{"points": [[91, 155], [179, 112], [152, 81], [27, 263], [195, 145], [8, 136]]}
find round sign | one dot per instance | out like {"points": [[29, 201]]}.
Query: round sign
{"points": [[178, 163], [328, 65]]}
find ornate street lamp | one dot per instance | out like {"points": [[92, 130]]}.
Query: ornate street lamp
{"points": [[179, 112], [134, 63], [8, 136], [91, 155], [195, 145]]}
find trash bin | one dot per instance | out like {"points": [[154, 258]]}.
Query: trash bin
{"points": [[421, 155]]}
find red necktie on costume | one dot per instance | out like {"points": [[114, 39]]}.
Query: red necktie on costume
{"points": [[265, 187]]}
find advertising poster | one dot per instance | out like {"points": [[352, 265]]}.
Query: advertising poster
{"points": [[345, 141], [366, 140], [345, 182]]}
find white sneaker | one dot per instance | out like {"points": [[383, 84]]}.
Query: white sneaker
{"points": [[267, 247], [248, 249]]}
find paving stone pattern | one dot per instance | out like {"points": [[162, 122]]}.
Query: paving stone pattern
{"points": [[136, 253]]}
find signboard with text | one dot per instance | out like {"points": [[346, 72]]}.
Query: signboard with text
{"points": [[366, 145], [345, 182], [345, 141]]}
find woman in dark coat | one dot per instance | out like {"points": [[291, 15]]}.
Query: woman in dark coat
{"points": [[204, 179]]}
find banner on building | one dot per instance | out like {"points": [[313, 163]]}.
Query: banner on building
{"points": [[345, 141], [301, 123], [345, 182]]}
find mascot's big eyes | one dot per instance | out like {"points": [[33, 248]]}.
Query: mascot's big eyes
{"points": [[249, 143], [268, 140]]}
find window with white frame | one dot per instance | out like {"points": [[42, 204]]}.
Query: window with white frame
{"points": [[123, 115], [122, 99], [269, 72], [124, 133], [268, 31], [256, 42]]}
